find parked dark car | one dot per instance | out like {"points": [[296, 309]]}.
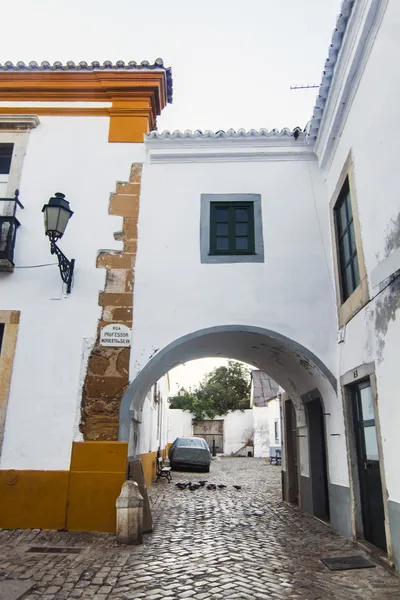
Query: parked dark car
{"points": [[190, 453]]}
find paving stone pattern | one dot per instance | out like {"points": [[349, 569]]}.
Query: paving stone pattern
{"points": [[206, 544]]}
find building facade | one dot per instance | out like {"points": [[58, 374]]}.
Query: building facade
{"points": [[285, 248], [73, 129], [276, 248]]}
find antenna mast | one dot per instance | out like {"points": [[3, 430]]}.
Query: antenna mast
{"points": [[303, 87]]}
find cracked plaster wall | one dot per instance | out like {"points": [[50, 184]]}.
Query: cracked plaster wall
{"points": [[371, 132]]}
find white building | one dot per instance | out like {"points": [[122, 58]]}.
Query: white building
{"points": [[279, 249], [75, 129], [265, 403], [286, 251]]}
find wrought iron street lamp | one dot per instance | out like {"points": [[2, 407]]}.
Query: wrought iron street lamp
{"points": [[57, 213]]}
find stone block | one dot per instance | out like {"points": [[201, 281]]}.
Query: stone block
{"points": [[129, 507], [128, 188], [103, 386], [103, 427], [97, 365], [118, 260], [130, 228], [106, 299], [124, 315], [124, 205], [131, 246], [122, 363]]}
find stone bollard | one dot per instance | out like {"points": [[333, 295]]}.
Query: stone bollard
{"points": [[130, 514]]}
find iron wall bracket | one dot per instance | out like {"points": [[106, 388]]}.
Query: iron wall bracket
{"points": [[65, 266]]}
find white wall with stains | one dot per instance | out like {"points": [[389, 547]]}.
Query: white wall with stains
{"points": [[371, 133], [70, 155]]}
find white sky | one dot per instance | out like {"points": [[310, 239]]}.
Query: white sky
{"points": [[232, 61], [189, 374]]}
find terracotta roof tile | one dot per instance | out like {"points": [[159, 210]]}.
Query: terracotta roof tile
{"points": [[94, 66]]}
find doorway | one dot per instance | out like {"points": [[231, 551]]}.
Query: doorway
{"points": [[318, 459], [291, 453], [211, 431], [369, 474]]}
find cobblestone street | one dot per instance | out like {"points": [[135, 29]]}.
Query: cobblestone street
{"points": [[206, 544]]}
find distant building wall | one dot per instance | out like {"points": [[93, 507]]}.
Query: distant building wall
{"points": [[255, 424]]}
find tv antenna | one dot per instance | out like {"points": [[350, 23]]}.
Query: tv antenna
{"points": [[303, 87]]}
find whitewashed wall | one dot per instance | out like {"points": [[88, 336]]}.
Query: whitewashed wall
{"points": [[274, 417], [371, 132], [179, 424], [262, 431], [295, 221], [174, 189], [70, 155], [264, 428], [154, 433], [238, 426]]}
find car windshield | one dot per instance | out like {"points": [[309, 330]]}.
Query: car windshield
{"points": [[191, 443]]}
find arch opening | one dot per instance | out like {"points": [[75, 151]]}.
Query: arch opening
{"points": [[291, 365]]}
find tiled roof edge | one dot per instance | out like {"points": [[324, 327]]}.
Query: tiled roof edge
{"points": [[94, 66], [329, 69], [231, 133]]}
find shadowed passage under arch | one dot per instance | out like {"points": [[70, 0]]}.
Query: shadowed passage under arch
{"points": [[289, 363]]}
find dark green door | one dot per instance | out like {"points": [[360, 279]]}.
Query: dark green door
{"points": [[368, 466]]}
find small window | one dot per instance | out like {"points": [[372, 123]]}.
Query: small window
{"points": [[1, 335], [232, 228], [347, 249], [6, 151], [276, 432]]}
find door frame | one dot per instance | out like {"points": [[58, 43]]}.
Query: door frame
{"points": [[292, 483], [361, 373], [307, 399]]}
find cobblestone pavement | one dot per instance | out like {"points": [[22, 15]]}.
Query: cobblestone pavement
{"points": [[206, 544]]}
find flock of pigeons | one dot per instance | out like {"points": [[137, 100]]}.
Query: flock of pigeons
{"points": [[196, 486]]}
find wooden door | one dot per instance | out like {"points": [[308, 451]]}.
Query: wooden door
{"points": [[210, 430], [291, 451], [368, 465]]}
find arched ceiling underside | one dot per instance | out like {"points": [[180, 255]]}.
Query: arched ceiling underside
{"points": [[291, 365]]}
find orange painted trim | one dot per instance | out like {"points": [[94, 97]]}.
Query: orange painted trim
{"points": [[137, 97], [91, 87], [55, 111]]}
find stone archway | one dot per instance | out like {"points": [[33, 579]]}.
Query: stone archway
{"points": [[294, 367], [289, 363]]}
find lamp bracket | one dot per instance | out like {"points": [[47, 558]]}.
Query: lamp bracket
{"points": [[66, 266]]}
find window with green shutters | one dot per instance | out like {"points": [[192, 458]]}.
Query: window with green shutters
{"points": [[232, 228], [348, 261]]}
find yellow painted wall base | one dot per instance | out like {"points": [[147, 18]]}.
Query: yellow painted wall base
{"points": [[33, 499], [98, 470], [82, 499], [149, 467]]}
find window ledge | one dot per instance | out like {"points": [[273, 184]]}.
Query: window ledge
{"points": [[232, 258], [19, 121], [6, 266], [354, 303], [236, 254]]}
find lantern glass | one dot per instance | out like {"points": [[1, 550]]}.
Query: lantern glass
{"points": [[56, 216]]}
